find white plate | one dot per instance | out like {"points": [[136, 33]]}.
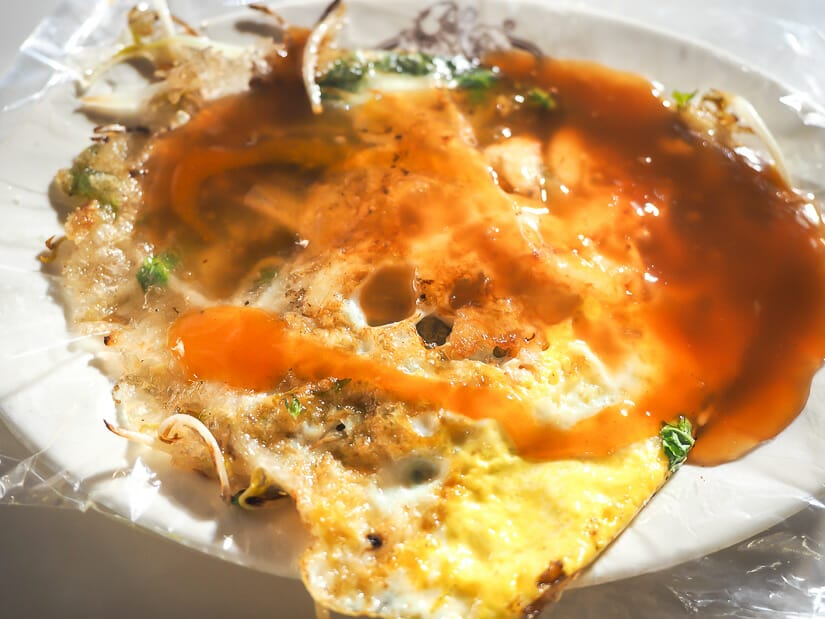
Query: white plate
{"points": [[54, 398]]}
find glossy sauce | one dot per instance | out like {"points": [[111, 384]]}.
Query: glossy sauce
{"points": [[388, 295], [734, 282]]}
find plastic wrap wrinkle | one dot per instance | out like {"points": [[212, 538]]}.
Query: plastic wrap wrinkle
{"points": [[779, 572]]}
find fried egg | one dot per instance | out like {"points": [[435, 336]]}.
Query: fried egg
{"points": [[448, 317]]}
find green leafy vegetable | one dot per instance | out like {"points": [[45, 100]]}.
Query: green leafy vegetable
{"points": [[412, 63], [541, 99], [265, 277], [340, 383], [677, 441], [344, 74], [155, 270], [350, 73], [683, 98], [294, 407], [478, 78]]}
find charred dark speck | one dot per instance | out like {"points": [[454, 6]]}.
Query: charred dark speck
{"points": [[375, 540], [340, 426], [421, 470], [550, 584], [433, 331]]}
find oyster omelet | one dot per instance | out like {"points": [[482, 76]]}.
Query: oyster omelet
{"points": [[461, 317]]}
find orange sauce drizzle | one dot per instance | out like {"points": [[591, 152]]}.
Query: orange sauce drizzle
{"points": [[249, 348]]}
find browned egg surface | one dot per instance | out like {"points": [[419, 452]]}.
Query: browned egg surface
{"points": [[734, 270]]}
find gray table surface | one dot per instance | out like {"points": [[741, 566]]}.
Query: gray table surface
{"points": [[64, 563]]}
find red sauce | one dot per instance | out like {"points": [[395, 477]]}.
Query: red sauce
{"points": [[735, 272]]}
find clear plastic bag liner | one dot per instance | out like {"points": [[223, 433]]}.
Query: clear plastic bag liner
{"points": [[765, 510]]}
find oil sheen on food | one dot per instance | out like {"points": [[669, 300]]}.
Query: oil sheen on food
{"points": [[733, 260]]}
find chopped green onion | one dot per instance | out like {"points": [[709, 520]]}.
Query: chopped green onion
{"points": [[155, 270], [294, 407], [344, 74], [411, 63], [265, 277], [683, 98], [479, 78], [95, 185], [541, 99]]}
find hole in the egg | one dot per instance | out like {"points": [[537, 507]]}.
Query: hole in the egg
{"points": [[433, 331]]}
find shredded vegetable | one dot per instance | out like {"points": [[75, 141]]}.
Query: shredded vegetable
{"points": [[321, 36], [168, 433], [723, 115]]}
